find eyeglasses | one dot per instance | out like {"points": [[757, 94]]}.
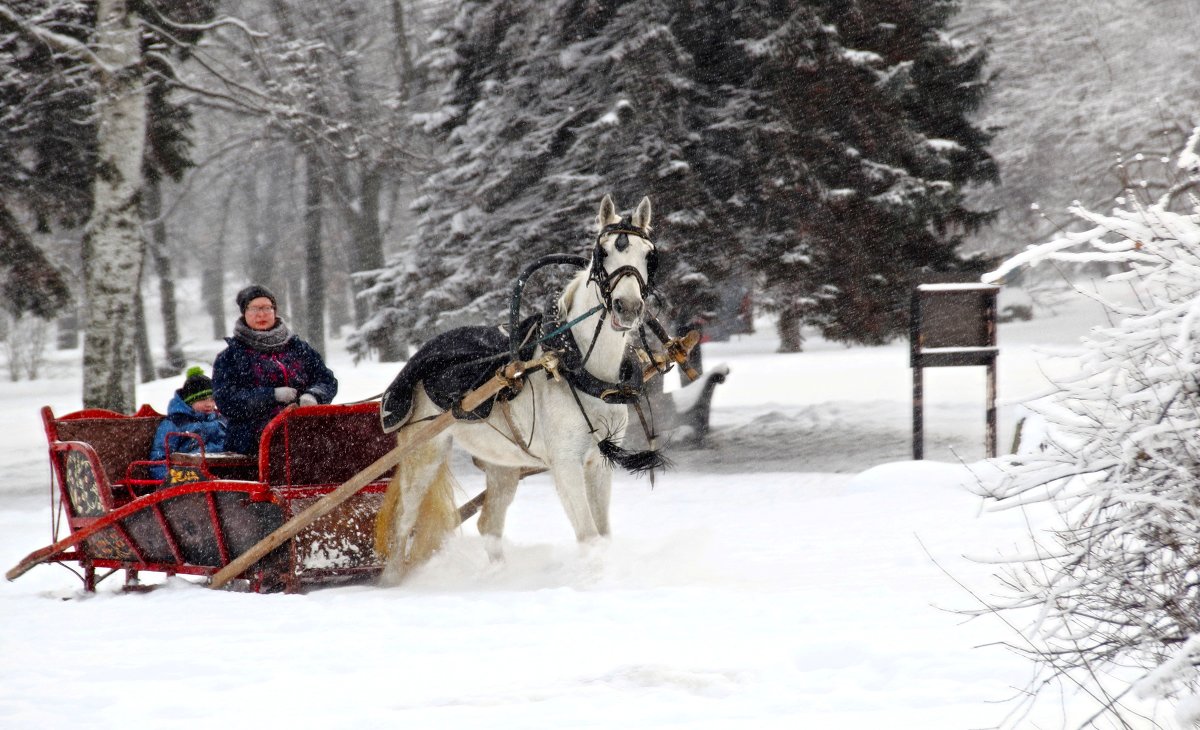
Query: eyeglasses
{"points": [[260, 310]]}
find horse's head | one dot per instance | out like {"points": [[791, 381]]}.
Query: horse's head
{"points": [[623, 263]]}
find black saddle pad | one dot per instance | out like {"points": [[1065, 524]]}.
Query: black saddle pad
{"points": [[451, 365]]}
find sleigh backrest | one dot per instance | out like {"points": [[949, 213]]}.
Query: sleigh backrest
{"points": [[117, 439], [322, 445]]}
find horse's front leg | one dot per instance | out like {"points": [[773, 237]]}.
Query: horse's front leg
{"points": [[598, 474], [501, 488], [571, 484]]}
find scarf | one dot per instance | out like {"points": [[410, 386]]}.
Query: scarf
{"points": [[272, 340]]}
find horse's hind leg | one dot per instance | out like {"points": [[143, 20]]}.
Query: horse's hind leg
{"points": [[423, 508], [501, 488]]}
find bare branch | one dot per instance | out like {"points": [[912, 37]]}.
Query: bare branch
{"points": [[57, 41]]}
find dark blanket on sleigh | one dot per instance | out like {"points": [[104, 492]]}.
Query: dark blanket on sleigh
{"points": [[451, 365]]}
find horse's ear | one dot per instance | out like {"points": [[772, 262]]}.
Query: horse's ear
{"points": [[608, 212], [641, 216]]}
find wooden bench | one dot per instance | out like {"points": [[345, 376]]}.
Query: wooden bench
{"points": [[681, 417], [693, 405]]}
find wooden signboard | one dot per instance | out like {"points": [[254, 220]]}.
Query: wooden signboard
{"points": [[953, 324]]}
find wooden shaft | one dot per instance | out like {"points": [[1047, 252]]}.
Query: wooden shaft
{"points": [[678, 348], [473, 505], [330, 501]]}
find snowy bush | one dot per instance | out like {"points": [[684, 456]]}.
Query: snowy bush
{"points": [[24, 344], [1116, 587]]}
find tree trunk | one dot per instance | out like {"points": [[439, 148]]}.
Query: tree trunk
{"points": [[339, 292], [368, 254], [790, 339], [157, 245], [406, 72], [274, 271], [258, 254], [212, 292], [145, 358], [113, 245], [314, 264], [366, 238], [67, 327], [212, 282]]}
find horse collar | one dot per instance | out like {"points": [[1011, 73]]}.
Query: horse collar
{"points": [[572, 367]]}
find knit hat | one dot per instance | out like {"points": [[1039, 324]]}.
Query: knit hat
{"points": [[252, 292], [198, 386]]}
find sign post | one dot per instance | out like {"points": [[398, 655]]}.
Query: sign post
{"points": [[952, 325]]}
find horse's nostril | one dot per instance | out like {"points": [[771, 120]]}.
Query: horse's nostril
{"points": [[627, 308]]}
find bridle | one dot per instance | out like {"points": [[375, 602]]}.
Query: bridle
{"points": [[606, 280]]}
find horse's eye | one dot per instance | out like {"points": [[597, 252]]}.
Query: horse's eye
{"points": [[622, 242]]}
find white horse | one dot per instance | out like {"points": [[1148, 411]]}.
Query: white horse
{"points": [[549, 425]]}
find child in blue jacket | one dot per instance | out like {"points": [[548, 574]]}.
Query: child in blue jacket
{"points": [[192, 410]]}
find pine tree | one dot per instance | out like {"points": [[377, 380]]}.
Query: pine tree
{"points": [[46, 149], [856, 114], [820, 146], [548, 107]]}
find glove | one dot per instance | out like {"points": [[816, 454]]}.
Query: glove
{"points": [[308, 399], [285, 394]]}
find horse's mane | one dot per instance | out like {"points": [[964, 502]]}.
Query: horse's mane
{"points": [[567, 299]]}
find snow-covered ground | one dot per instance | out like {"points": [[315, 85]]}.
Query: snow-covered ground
{"points": [[800, 573]]}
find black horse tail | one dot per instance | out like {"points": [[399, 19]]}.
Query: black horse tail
{"points": [[635, 462]]}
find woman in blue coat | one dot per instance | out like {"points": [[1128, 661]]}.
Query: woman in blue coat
{"points": [[192, 411], [265, 369]]}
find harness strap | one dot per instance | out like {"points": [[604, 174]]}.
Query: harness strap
{"points": [[595, 337], [506, 411], [582, 410], [571, 367], [648, 429]]}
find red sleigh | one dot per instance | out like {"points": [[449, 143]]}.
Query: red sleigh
{"points": [[119, 519]]}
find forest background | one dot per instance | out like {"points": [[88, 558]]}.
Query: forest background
{"points": [[387, 168]]}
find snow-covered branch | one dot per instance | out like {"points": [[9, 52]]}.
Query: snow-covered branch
{"points": [[58, 41], [1121, 588]]}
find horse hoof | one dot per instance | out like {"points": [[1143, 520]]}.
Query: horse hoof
{"points": [[494, 548]]}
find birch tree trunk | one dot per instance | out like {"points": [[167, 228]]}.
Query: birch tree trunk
{"points": [[113, 244], [141, 340]]}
